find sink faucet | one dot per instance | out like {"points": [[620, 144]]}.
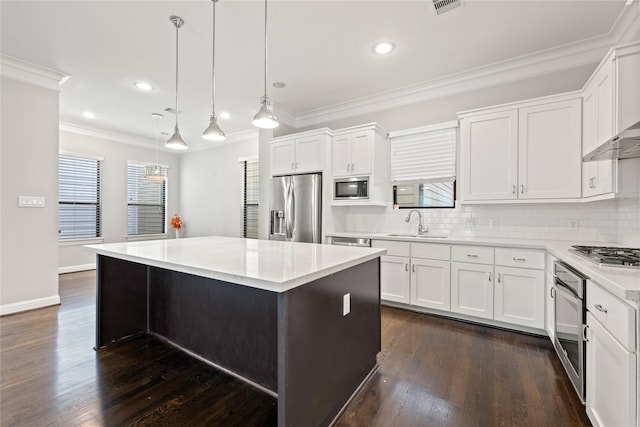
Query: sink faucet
{"points": [[421, 229]]}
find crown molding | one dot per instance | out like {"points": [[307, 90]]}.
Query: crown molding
{"points": [[28, 72], [627, 26], [532, 65], [284, 116], [248, 134]]}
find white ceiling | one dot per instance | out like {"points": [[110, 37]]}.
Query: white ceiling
{"points": [[320, 49]]}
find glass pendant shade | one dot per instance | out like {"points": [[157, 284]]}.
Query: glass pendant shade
{"points": [[264, 118], [213, 132], [176, 142], [155, 173]]}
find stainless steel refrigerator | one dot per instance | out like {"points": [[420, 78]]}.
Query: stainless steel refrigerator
{"points": [[295, 208]]}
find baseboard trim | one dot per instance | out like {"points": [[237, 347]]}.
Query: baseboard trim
{"points": [[32, 304], [76, 268]]}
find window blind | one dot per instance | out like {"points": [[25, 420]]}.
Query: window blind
{"points": [[424, 156], [250, 199], [146, 203], [78, 197]]}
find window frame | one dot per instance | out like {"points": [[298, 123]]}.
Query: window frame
{"points": [[165, 226], [98, 226], [243, 206]]}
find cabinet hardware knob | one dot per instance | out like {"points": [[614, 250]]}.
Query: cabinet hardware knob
{"points": [[553, 292], [519, 259], [521, 188], [513, 189], [413, 268], [584, 333], [599, 307], [499, 277], [472, 255], [489, 276], [406, 267]]}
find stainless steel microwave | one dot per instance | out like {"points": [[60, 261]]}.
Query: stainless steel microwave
{"points": [[353, 188]]}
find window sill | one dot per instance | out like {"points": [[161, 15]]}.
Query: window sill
{"points": [[83, 241], [137, 237]]}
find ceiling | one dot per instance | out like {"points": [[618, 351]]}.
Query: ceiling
{"points": [[322, 50]]}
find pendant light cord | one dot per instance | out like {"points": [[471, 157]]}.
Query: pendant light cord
{"points": [[155, 131], [265, 49], [178, 24], [213, 61]]}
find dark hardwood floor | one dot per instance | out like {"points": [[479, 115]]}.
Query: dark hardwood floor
{"points": [[433, 372]]}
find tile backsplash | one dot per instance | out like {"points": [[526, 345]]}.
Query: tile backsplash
{"points": [[611, 221]]}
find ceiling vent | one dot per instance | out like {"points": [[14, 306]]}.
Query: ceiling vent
{"points": [[443, 6]]}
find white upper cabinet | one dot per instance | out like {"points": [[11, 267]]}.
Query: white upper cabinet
{"points": [[489, 156], [299, 153], [353, 153], [549, 150], [597, 177], [524, 151]]}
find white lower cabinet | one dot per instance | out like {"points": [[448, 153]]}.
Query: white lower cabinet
{"points": [[550, 302], [519, 296], [472, 289], [611, 379], [394, 279], [430, 281]]}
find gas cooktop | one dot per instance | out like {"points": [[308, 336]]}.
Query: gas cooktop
{"points": [[610, 256]]}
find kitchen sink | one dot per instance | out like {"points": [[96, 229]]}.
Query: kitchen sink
{"points": [[419, 236]]}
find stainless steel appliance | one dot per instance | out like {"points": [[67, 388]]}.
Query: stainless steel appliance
{"points": [[359, 242], [625, 145], [570, 321], [295, 206], [609, 256], [351, 188]]}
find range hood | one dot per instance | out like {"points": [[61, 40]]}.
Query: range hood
{"points": [[625, 145]]}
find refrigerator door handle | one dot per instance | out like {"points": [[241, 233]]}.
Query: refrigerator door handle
{"points": [[292, 214], [288, 211]]}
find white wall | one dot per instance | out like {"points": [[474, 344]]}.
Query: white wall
{"points": [[74, 257], [29, 167], [211, 189]]}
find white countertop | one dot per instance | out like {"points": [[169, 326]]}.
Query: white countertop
{"points": [[622, 282], [263, 264]]}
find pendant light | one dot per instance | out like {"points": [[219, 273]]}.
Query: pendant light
{"points": [[265, 118], [156, 173], [213, 132], [176, 142]]}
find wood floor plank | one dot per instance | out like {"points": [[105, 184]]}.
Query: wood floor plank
{"points": [[432, 371]]}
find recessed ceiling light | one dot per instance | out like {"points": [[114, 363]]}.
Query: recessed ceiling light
{"points": [[225, 116], [144, 86], [156, 115], [279, 85], [89, 115], [383, 48]]}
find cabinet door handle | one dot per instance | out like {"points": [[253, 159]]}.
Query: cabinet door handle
{"points": [[472, 255], [353, 166], [519, 259], [599, 307], [489, 276], [406, 267], [413, 268], [553, 292], [584, 333], [521, 188], [296, 163], [499, 276], [348, 167], [513, 189]]}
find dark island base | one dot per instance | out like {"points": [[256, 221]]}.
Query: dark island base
{"points": [[297, 343]]}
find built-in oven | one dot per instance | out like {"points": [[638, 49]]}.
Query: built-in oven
{"points": [[570, 321], [351, 188]]}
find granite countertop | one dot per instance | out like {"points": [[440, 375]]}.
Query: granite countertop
{"points": [[263, 264], [622, 282]]}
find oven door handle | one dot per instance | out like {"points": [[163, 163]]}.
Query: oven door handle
{"points": [[585, 330], [564, 288]]}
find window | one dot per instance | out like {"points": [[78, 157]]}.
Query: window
{"points": [[78, 196], [250, 199], [423, 166], [146, 203]]}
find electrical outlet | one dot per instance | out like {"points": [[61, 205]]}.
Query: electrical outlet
{"points": [[469, 223], [346, 304], [572, 224], [31, 202], [493, 223]]}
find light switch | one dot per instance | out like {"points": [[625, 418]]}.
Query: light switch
{"points": [[346, 304], [31, 202]]}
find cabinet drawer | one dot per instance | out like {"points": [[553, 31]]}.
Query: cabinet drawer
{"points": [[474, 254], [522, 258], [616, 316], [393, 248], [431, 251]]}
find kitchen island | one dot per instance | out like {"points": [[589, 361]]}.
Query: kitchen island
{"points": [[299, 321]]}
